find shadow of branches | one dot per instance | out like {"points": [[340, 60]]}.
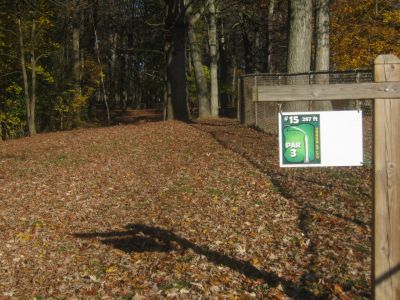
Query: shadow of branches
{"points": [[260, 149], [143, 238]]}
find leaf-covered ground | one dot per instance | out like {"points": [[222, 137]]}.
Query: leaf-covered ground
{"points": [[181, 211]]}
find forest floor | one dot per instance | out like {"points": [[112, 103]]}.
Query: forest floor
{"points": [[180, 211]]}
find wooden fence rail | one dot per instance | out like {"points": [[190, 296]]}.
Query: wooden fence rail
{"points": [[321, 92]]}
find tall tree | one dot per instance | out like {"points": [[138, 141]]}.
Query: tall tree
{"points": [[322, 36], [322, 49], [30, 96], [214, 57], [76, 50], [270, 22], [299, 48], [247, 47], [175, 60], [34, 26], [198, 67]]}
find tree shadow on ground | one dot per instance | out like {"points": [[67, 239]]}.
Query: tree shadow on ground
{"points": [[143, 238], [278, 178]]}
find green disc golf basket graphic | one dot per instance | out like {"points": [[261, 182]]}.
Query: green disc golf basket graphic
{"points": [[299, 144]]}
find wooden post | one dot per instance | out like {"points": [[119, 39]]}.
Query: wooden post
{"points": [[386, 259], [255, 101], [239, 100], [242, 101]]}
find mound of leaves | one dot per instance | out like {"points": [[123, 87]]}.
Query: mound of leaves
{"points": [[171, 210]]}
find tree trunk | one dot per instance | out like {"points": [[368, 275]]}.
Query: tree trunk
{"points": [[3, 130], [119, 75], [76, 63], [322, 50], [224, 82], [112, 81], [82, 50], [103, 86], [248, 54], [30, 109], [299, 52], [214, 58], [32, 104], [195, 51], [176, 60], [322, 35], [123, 78], [234, 74], [23, 69], [3, 126], [271, 9], [234, 81], [129, 73], [257, 50]]}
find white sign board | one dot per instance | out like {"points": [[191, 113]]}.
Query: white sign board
{"points": [[320, 139]]}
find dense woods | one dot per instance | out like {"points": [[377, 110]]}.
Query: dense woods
{"points": [[71, 63]]}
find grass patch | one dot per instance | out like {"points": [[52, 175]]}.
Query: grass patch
{"points": [[166, 286], [182, 284], [361, 248], [128, 297], [358, 283], [65, 159], [215, 192], [335, 174], [17, 157], [175, 283]]}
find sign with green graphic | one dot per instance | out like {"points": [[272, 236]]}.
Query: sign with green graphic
{"points": [[320, 139], [300, 139]]}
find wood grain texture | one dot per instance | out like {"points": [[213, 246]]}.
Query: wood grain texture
{"points": [[387, 185], [321, 92]]}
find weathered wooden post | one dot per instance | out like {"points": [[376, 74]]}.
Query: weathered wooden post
{"points": [[386, 260], [239, 100], [255, 100]]}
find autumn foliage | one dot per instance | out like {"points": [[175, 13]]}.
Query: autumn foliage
{"points": [[362, 30]]}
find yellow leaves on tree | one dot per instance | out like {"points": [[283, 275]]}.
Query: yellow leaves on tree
{"points": [[392, 18], [362, 30]]}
